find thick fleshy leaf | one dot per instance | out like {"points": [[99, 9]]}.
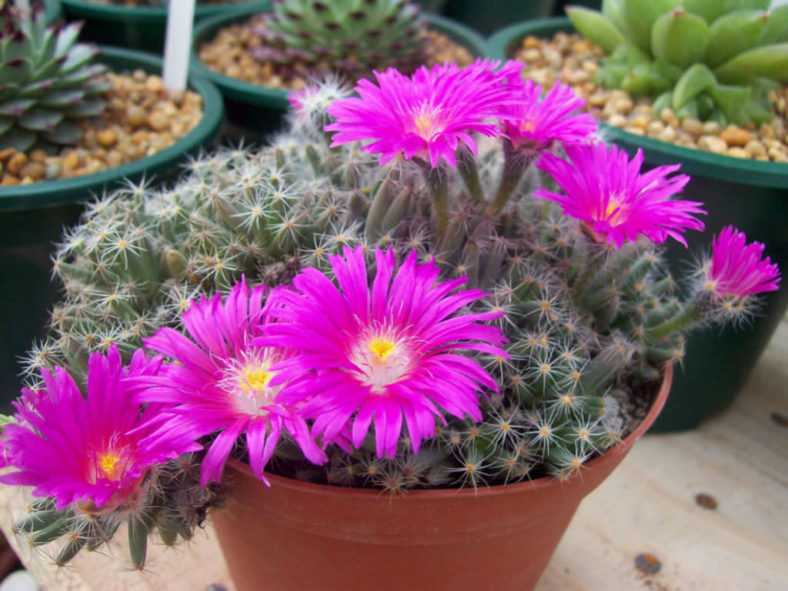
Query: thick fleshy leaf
{"points": [[595, 27], [15, 108], [66, 132], [40, 120], [769, 61], [18, 139]]}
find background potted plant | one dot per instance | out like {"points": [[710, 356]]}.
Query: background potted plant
{"points": [[142, 24], [57, 94], [379, 300], [244, 51], [742, 188]]}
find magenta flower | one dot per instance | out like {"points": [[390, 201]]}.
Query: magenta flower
{"points": [[87, 451], [429, 115], [222, 383], [388, 353], [605, 189], [538, 122], [737, 268]]}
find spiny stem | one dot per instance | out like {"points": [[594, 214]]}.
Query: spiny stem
{"points": [[514, 166], [439, 191], [682, 321], [469, 171]]}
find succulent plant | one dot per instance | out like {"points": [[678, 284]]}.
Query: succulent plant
{"points": [[349, 36], [589, 312], [705, 59], [48, 83]]}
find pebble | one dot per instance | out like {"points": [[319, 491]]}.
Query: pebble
{"points": [[107, 137], [668, 134], [692, 126], [755, 148], [71, 162], [712, 143], [135, 115], [618, 121], [735, 136], [16, 163]]}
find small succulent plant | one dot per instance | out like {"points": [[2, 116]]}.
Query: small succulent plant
{"points": [[307, 305], [350, 36], [48, 83], [705, 59]]}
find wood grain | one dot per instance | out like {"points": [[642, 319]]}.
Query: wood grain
{"points": [[646, 506]]}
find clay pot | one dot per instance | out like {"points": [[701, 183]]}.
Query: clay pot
{"points": [[295, 535]]}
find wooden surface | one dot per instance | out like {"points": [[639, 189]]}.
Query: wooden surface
{"points": [[646, 506]]}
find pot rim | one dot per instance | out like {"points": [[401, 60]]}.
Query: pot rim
{"points": [[147, 14], [727, 168], [57, 191], [327, 490], [276, 98]]}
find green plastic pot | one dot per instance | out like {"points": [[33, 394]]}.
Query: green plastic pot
{"points": [[138, 27], [259, 109], [751, 195], [488, 17], [33, 216]]}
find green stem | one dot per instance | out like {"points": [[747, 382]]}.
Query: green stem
{"points": [[469, 171], [690, 315], [514, 166]]}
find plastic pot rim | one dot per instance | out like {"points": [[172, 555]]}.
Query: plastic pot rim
{"points": [[275, 98], [148, 14], [57, 191], [326, 490], [698, 162]]}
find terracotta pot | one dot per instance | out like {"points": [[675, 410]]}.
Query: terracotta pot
{"points": [[296, 536]]}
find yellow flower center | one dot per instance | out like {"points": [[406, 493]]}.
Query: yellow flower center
{"points": [[424, 124], [255, 378], [527, 126], [108, 463], [382, 348], [615, 210]]}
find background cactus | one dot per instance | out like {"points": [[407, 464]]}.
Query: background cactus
{"points": [[705, 59], [350, 36], [48, 83]]}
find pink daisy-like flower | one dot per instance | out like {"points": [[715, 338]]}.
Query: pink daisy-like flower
{"points": [[87, 451], [605, 189], [223, 383], [429, 115], [739, 269], [538, 122], [388, 353]]}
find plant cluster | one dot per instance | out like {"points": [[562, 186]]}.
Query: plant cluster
{"points": [[705, 59], [443, 281], [48, 83], [353, 37]]}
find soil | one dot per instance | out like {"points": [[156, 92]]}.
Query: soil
{"points": [[141, 118], [231, 53], [575, 61]]}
